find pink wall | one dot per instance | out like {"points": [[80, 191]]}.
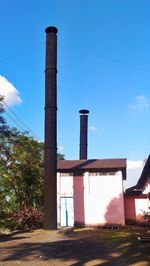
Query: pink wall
{"points": [[129, 205], [78, 199], [115, 210], [134, 206]]}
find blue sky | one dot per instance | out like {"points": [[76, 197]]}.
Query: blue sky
{"points": [[103, 66]]}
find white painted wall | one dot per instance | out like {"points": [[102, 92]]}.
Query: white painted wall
{"points": [[141, 204], [103, 197]]}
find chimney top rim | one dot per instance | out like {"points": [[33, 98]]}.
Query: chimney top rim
{"points": [[51, 29], [84, 112]]}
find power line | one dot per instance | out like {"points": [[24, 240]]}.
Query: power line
{"points": [[15, 55], [21, 126], [24, 125], [14, 121]]}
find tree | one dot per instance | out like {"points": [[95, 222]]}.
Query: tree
{"points": [[60, 156], [21, 168], [4, 131], [23, 174]]}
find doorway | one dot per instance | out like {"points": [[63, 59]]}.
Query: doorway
{"points": [[66, 211]]}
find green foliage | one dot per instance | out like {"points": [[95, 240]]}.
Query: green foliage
{"points": [[21, 169], [60, 156]]}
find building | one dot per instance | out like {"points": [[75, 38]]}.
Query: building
{"points": [[90, 192], [137, 198]]}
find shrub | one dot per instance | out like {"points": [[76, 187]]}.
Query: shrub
{"points": [[26, 219]]}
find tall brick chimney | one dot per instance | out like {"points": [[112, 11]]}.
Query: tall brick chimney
{"points": [[50, 161]]}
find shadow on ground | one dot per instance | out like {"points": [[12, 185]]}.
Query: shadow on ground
{"points": [[84, 248], [5, 238]]}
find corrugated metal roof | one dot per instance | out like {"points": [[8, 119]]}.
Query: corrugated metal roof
{"points": [[93, 165]]}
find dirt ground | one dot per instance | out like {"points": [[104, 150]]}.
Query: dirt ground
{"points": [[74, 247]]}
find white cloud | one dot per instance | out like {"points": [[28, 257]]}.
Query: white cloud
{"points": [[140, 102], [60, 148], [134, 164], [10, 93], [93, 128], [134, 170]]}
